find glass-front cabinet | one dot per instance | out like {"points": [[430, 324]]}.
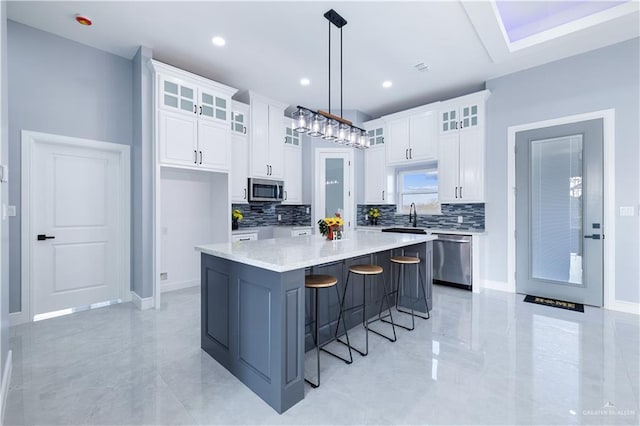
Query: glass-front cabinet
{"points": [[177, 96]]}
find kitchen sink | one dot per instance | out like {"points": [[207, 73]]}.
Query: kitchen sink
{"points": [[406, 230]]}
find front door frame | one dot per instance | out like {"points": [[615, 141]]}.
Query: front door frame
{"points": [[29, 139], [608, 198]]}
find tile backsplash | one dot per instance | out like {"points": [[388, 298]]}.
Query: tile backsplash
{"points": [[472, 217], [266, 214]]}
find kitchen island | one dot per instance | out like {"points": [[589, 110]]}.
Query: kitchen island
{"points": [[253, 301]]}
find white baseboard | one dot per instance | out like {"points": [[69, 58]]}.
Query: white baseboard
{"points": [[498, 285], [4, 391], [17, 318], [141, 303], [623, 306], [178, 285]]}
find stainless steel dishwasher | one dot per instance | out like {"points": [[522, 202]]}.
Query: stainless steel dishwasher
{"points": [[452, 260]]}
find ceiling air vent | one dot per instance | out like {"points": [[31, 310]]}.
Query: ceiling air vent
{"points": [[421, 67]]}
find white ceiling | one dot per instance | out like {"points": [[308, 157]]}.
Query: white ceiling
{"points": [[272, 45]]}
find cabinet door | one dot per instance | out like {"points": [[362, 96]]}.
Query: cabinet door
{"points": [[239, 168], [422, 132], [177, 136], [214, 145], [259, 138], [239, 122], [448, 168], [374, 176], [471, 186], [449, 119], [470, 115], [397, 141], [276, 145], [212, 106], [292, 175], [174, 95]]}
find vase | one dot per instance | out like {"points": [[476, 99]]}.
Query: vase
{"points": [[373, 220], [234, 224], [330, 233]]}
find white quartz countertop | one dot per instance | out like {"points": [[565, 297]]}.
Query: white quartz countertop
{"points": [[287, 254]]}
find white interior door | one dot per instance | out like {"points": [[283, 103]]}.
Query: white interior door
{"points": [[334, 185], [76, 222]]}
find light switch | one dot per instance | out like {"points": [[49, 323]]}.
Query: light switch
{"points": [[627, 211], [279, 217]]}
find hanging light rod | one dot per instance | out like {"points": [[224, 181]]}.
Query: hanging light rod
{"points": [[324, 124]]}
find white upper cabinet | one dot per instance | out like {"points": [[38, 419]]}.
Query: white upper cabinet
{"points": [[239, 152], [193, 116], [267, 134], [375, 132], [292, 164], [375, 191], [461, 149], [411, 136]]}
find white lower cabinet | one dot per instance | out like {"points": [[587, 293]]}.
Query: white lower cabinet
{"points": [[375, 176]]}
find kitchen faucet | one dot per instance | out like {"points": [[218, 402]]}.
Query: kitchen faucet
{"points": [[412, 207]]}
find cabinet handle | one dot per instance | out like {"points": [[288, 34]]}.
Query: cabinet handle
{"points": [[285, 196], [383, 195], [460, 192], [244, 129], [406, 154], [195, 109], [195, 157], [200, 109], [200, 157], [383, 139], [244, 239], [456, 192], [270, 170], [245, 194], [410, 153], [267, 170]]}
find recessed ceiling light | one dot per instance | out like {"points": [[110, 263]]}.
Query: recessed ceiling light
{"points": [[218, 41], [305, 81], [83, 20], [387, 84]]}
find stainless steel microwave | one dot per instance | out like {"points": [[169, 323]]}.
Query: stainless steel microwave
{"points": [[266, 190]]}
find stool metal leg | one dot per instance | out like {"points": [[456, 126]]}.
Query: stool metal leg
{"points": [[347, 343], [385, 296], [424, 297]]}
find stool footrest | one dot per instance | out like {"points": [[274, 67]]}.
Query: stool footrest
{"points": [[353, 348], [415, 314], [391, 339], [396, 324]]}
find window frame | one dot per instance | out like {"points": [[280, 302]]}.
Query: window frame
{"points": [[428, 168]]}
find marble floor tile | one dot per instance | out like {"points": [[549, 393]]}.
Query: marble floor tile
{"points": [[485, 358]]}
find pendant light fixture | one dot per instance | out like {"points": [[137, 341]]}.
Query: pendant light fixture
{"points": [[323, 124]]}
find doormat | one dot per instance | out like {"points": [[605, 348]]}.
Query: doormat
{"points": [[578, 307]]}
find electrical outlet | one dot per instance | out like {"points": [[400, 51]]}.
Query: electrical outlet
{"points": [[627, 211], [279, 217], [366, 217], [308, 210], [460, 219], [164, 276]]}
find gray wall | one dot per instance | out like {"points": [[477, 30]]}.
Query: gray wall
{"points": [[600, 79], [4, 155], [61, 87], [142, 166]]}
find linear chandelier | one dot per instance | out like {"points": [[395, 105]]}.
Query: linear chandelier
{"points": [[323, 124]]}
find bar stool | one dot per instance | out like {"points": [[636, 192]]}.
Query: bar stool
{"points": [[401, 261], [316, 282], [365, 270]]}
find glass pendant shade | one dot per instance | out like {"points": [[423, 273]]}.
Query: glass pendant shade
{"points": [[301, 120], [317, 126], [330, 130], [343, 133]]}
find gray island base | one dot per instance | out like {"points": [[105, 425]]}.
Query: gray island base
{"points": [[254, 315]]}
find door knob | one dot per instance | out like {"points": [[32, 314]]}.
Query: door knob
{"points": [[42, 237]]}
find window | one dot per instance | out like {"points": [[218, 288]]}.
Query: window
{"points": [[419, 186]]}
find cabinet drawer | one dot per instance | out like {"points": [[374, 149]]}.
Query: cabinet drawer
{"points": [[244, 237]]}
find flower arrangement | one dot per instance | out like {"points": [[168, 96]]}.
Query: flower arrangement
{"points": [[331, 227], [374, 214], [236, 215]]}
